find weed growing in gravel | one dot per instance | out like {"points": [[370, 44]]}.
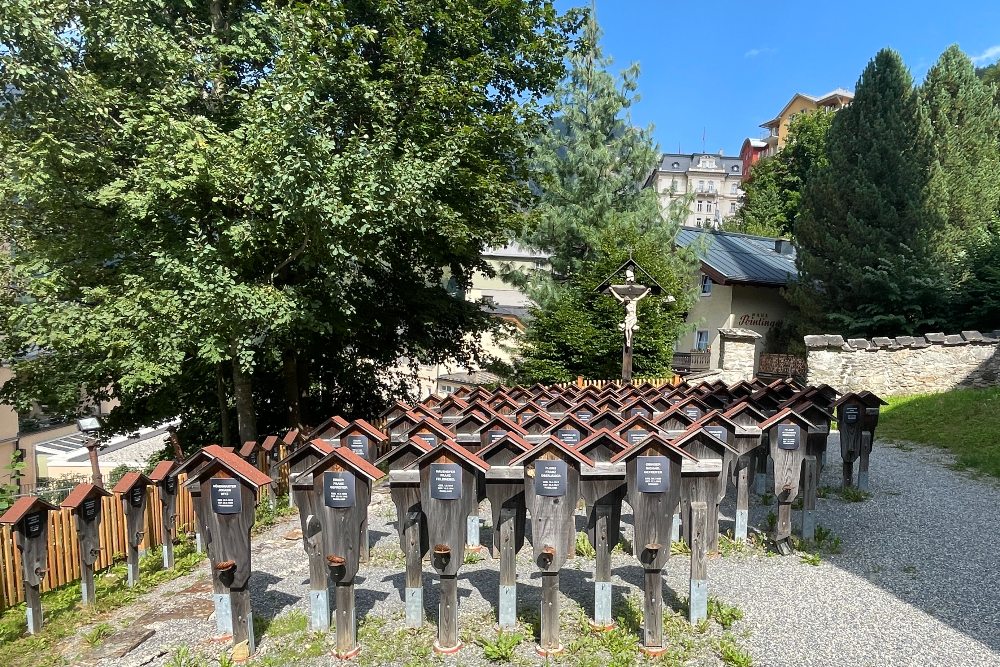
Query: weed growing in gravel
{"points": [[388, 557], [827, 541], [853, 495], [810, 558], [472, 557], [182, 657], [583, 546], [287, 624], [501, 649], [772, 520], [623, 546], [723, 613], [824, 491], [732, 654], [731, 547], [766, 499], [97, 634], [386, 644], [679, 548], [267, 517]]}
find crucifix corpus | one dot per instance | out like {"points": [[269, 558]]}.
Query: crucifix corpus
{"points": [[629, 294]]}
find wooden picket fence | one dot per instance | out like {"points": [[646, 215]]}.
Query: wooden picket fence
{"points": [[581, 382], [64, 552]]}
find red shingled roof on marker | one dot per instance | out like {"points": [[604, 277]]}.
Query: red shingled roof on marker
{"points": [[80, 493], [23, 506], [129, 480]]}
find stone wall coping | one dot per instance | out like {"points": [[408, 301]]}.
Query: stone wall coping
{"points": [[740, 333], [877, 343]]}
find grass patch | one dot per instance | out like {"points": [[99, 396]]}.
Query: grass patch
{"points": [[96, 635], [266, 517], [971, 431], [583, 547], [471, 558], [852, 494], [723, 613], [502, 647], [387, 643], [63, 613]]}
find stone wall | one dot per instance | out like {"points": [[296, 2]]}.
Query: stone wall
{"points": [[905, 365], [737, 354]]}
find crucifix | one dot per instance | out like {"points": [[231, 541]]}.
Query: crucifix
{"points": [[630, 294]]}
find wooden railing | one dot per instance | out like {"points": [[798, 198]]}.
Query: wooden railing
{"points": [[782, 365], [657, 382], [692, 362]]}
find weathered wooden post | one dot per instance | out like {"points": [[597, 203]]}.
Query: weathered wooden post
{"points": [[404, 489], [29, 520], [551, 490], [570, 430], [166, 485], [786, 432], [868, 424], [505, 490], [448, 476], [816, 439], [131, 488], [298, 462], [229, 488], [341, 491], [724, 429], [653, 479], [85, 501], [748, 444], [705, 480], [850, 416]]}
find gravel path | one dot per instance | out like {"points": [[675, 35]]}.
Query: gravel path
{"points": [[915, 582]]}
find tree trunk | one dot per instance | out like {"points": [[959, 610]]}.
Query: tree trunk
{"points": [[220, 391], [290, 372], [246, 416]]}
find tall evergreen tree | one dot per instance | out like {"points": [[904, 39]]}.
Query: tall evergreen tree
{"points": [[866, 228], [966, 127], [592, 215]]}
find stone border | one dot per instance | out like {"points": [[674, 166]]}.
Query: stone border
{"points": [[825, 341]]}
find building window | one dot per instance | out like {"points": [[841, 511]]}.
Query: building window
{"points": [[732, 188], [676, 165], [698, 221], [701, 341], [732, 207], [706, 286], [673, 185], [708, 207], [711, 186], [701, 186], [699, 205]]}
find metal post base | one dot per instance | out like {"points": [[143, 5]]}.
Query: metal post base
{"points": [[863, 480], [675, 529], [698, 602], [415, 607], [808, 525], [223, 614], [198, 546], [742, 518], [472, 533], [319, 610], [602, 606], [508, 606]]}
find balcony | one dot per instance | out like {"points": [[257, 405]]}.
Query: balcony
{"points": [[691, 362], [710, 192]]}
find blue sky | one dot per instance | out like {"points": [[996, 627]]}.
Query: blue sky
{"points": [[727, 67]]}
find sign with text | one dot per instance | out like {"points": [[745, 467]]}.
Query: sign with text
{"points": [[136, 495], [788, 436], [226, 496], [692, 412], [550, 478], [584, 415], [495, 435], [429, 438], [637, 435], [89, 509], [569, 435], [652, 474], [446, 481], [338, 489], [716, 432], [358, 445], [851, 414], [33, 524], [170, 485]]}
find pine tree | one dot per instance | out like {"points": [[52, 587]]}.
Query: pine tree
{"points": [[867, 224], [592, 215]]}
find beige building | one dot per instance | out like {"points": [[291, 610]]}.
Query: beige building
{"points": [[777, 127], [739, 287], [710, 182]]}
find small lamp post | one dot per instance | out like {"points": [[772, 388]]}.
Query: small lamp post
{"points": [[92, 426]]}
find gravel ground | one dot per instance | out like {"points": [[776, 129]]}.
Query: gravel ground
{"points": [[914, 583]]}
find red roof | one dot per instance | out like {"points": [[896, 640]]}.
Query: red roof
{"points": [[237, 466], [289, 438], [358, 463], [368, 429], [316, 445], [457, 449], [510, 436], [23, 506], [248, 448], [81, 492], [548, 443], [633, 449], [161, 471], [603, 433], [787, 413], [129, 480], [269, 443]]}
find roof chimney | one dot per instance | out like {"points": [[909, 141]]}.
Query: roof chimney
{"points": [[783, 246]]}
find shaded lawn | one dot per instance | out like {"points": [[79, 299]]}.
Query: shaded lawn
{"points": [[964, 421]]}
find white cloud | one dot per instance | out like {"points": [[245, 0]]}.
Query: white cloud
{"points": [[990, 54], [760, 51]]}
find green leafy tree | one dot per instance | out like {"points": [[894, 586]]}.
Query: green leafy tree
{"points": [[867, 223], [592, 214], [966, 126], [250, 208], [773, 193]]}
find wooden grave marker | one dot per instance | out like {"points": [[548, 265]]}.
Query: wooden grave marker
{"points": [[166, 491], [872, 407], [131, 489], [602, 486], [86, 503], [29, 521], [341, 492], [850, 420], [298, 462], [748, 444], [551, 491], [448, 495], [786, 432], [653, 482], [229, 488]]}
